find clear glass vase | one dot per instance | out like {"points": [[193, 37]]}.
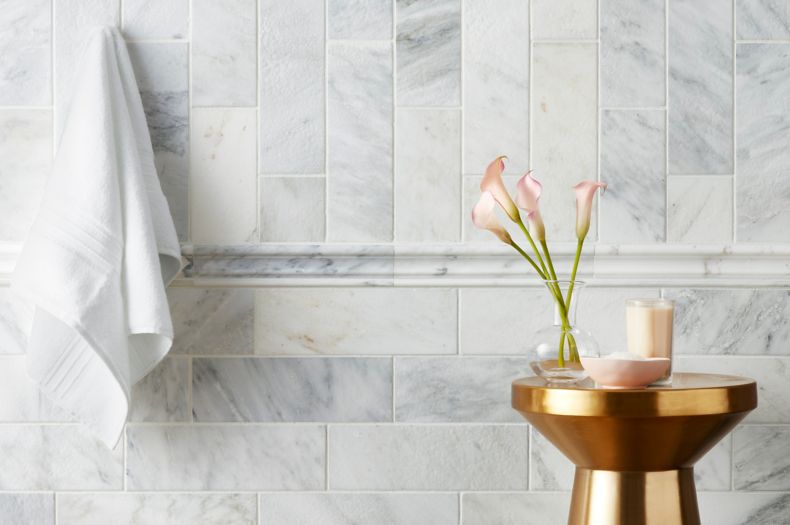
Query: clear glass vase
{"points": [[555, 351]]}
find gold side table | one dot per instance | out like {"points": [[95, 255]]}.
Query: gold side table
{"points": [[635, 450]]}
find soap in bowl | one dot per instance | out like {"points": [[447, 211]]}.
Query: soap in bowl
{"points": [[623, 370]]}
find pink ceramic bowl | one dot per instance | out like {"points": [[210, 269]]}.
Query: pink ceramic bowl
{"points": [[625, 373]]}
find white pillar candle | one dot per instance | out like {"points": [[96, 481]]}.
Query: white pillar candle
{"points": [[649, 329]]}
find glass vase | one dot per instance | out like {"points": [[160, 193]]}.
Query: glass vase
{"points": [[555, 351]]}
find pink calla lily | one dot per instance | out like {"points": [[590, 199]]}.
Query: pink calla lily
{"points": [[484, 217], [585, 191], [528, 190], [493, 183]]}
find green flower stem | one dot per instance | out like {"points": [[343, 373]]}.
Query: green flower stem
{"points": [[529, 259], [534, 248], [573, 272]]}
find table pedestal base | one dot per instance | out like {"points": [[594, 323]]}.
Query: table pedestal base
{"points": [[605, 497]]}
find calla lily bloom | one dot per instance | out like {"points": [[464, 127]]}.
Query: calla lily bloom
{"points": [[585, 191], [493, 183], [484, 217], [528, 192]]}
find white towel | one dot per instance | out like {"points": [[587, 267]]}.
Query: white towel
{"points": [[101, 251]]}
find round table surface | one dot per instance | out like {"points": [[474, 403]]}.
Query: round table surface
{"points": [[688, 395]]}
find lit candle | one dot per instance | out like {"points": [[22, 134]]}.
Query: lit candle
{"points": [[649, 330]]}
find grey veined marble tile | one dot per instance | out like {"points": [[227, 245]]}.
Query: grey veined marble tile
{"points": [[700, 209], [27, 509], [633, 162], [227, 457], [760, 459], [291, 61], [633, 68], [358, 509], [496, 321], [564, 19], [156, 509], [516, 508], [25, 45], [496, 84], [700, 87], [762, 19], [737, 508], [360, 19], [292, 389], [162, 395], [739, 322], [428, 52], [763, 160], [416, 457], [154, 20], [292, 209]]}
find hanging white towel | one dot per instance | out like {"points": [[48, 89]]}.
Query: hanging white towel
{"points": [[101, 251]]}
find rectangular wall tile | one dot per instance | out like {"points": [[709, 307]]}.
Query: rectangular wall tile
{"points": [[564, 19], [348, 509], [26, 150], [27, 509], [224, 55], [360, 141], [428, 175], [25, 45], [496, 84], [700, 87], [228, 457], [360, 19], [428, 457], [742, 322], [162, 395], [762, 186], [760, 459], [633, 158], [292, 389], [485, 311], [428, 52], [564, 128], [633, 67], [738, 508], [153, 20], [291, 61], [700, 209], [212, 321], [162, 74], [453, 389], [57, 458], [601, 311], [762, 20], [518, 508], [293, 209], [355, 321], [151, 509], [224, 207]]}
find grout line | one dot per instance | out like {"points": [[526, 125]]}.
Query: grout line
{"points": [[125, 459], [326, 120], [394, 58], [734, 226], [666, 121], [392, 400], [599, 125], [258, 82], [190, 393], [326, 458], [460, 510]]}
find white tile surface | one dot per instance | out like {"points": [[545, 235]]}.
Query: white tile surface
{"points": [[292, 209], [739, 508], [760, 460], [516, 508], [601, 311], [762, 19], [163, 395], [27, 509], [22, 399], [564, 19], [25, 45], [360, 19], [155, 19], [700, 209]]}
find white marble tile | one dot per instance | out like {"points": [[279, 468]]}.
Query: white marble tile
{"points": [[471, 194], [427, 175], [714, 470], [212, 321], [16, 318], [358, 509], [227, 457], [771, 373], [23, 401], [291, 85], [564, 19], [737, 322], [25, 45], [497, 321], [738, 508], [633, 159], [453, 389], [50, 457], [163, 78], [763, 126], [292, 389], [360, 132], [27, 509], [700, 87], [601, 311], [633, 67], [293, 209], [162, 395], [26, 150], [294, 321], [155, 19], [157, 509], [223, 180], [700, 209], [428, 51], [224, 54], [760, 459], [406, 457], [496, 84], [359, 19], [762, 19], [517, 508], [564, 129]]}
